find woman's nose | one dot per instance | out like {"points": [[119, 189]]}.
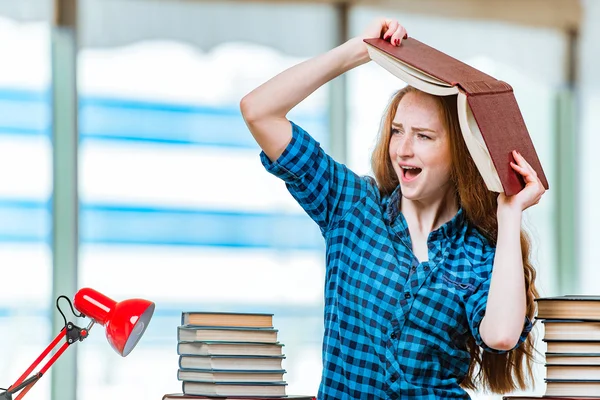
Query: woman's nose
{"points": [[405, 147]]}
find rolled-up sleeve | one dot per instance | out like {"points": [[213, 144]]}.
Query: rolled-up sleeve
{"points": [[476, 306]]}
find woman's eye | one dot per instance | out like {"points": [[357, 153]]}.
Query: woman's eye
{"points": [[423, 137], [395, 131]]}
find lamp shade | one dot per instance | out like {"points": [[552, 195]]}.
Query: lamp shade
{"points": [[125, 321]]}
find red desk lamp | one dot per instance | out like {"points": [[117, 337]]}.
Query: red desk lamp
{"points": [[125, 323]]}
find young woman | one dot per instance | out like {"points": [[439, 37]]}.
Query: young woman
{"points": [[428, 287]]}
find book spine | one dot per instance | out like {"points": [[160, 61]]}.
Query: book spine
{"points": [[476, 88]]}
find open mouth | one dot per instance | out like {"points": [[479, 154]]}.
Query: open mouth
{"points": [[410, 173]]}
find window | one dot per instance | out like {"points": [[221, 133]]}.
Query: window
{"points": [[176, 208], [25, 189]]}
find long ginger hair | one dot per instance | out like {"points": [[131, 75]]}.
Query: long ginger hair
{"points": [[499, 373]]}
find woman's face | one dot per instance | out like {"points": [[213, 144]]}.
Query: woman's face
{"points": [[420, 148]]}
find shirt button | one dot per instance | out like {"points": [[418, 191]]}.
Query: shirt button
{"points": [[394, 377], [393, 335], [413, 268], [426, 268], [407, 295]]}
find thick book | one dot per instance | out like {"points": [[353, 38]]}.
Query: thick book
{"points": [[573, 346], [264, 363], [215, 375], [548, 398], [490, 120], [234, 389], [572, 371], [248, 320], [178, 396], [571, 307], [189, 333], [571, 329], [583, 388], [572, 358], [217, 348]]}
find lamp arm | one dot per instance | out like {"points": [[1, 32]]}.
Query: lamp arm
{"points": [[14, 389], [72, 334]]}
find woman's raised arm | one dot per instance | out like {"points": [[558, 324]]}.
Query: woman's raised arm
{"points": [[265, 108]]}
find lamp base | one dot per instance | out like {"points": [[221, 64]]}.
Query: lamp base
{"points": [[27, 383], [6, 395]]}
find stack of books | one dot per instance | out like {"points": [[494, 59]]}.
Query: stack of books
{"points": [[229, 355], [572, 335]]}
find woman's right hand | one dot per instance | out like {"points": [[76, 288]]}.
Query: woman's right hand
{"points": [[385, 28]]}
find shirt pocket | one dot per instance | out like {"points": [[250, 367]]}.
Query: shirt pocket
{"points": [[460, 283], [456, 290]]}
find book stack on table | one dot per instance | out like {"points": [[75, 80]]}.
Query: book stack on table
{"points": [[572, 335], [229, 355]]}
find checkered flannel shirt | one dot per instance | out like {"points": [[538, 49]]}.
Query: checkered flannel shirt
{"points": [[395, 328]]}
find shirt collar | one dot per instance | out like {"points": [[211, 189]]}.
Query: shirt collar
{"points": [[449, 229], [393, 205]]}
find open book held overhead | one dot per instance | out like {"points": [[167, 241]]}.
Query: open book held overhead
{"points": [[490, 120]]}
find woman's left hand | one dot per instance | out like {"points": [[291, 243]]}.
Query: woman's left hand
{"points": [[530, 194]]}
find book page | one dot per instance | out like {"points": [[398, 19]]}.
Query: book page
{"points": [[476, 145], [410, 75]]}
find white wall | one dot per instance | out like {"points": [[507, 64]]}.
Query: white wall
{"points": [[589, 145]]}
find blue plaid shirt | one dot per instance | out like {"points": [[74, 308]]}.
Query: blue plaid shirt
{"points": [[395, 328]]}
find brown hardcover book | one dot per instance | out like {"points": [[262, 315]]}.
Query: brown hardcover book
{"points": [[264, 363], [571, 307], [178, 396], [187, 333], [215, 375], [573, 346], [582, 388], [572, 358], [549, 398], [490, 119], [572, 371], [223, 389], [217, 348], [571, 329], [206, 318]]}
